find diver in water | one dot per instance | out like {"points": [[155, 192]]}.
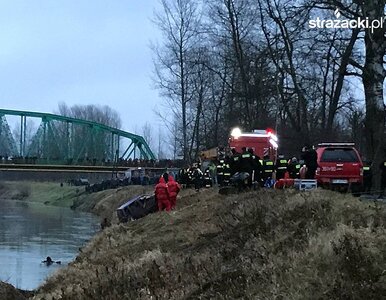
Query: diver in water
{"points": [[49, 261]]}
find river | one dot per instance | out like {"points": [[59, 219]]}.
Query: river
{"points": [[29, 232]]}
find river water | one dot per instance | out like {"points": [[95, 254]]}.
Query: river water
{"points": [[29, 232]]}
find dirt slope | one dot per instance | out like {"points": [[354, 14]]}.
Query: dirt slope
{"points": [[258, 245]]}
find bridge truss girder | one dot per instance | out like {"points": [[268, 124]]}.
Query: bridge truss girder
{"points": [[7, 142], [69, 140]]}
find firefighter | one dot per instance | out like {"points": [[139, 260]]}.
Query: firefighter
{"points": [[245, 161], [256, 166], [186, 176], [246, 164], [162, 195], [261, 181], [310, 158], [182, 175], [268, 169], [173, 190], [207, 179], [190, 176], [227, 171], [294, 168], [220, 171], [367, 177], [235, 162], [197, 177], [281, 167]]}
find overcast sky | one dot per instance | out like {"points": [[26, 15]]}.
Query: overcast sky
{"points": [[78, 52]]}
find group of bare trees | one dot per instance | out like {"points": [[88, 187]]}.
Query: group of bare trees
{"points": [[101, 114], [258, 63], [89, 142]]}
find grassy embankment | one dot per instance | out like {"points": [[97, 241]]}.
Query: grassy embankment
{"points": [[257, 245]]}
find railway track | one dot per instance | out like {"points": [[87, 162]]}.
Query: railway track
{"points": [[70, 168]]}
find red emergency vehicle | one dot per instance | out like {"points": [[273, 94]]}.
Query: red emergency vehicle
{"points": [[339, 164], [263, 142]]}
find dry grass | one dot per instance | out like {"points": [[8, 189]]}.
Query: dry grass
{"points": [[13, 190], [44, 192], [258, 245]]}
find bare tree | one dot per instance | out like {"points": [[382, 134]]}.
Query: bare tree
{"points": [[235, 32], [179, 24], [31, 128], [372, 71], [92, 145], [147, 134], [282, 25], [328, 70], [91, 112]]}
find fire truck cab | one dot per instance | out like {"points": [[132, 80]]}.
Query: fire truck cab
{"points": [[263, 142]]}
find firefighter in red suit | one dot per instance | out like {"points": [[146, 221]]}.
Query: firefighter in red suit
{"points": [[173, 189], [162, 195]]}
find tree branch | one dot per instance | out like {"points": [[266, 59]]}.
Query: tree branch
{"points": [[355, 64]]}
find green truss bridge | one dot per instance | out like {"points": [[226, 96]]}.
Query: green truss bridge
{"points": [[45, 138]]}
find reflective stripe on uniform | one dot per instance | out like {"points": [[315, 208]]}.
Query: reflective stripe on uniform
{"points": [[283, 161], [245, 155], [269, 163], [366, 168]]}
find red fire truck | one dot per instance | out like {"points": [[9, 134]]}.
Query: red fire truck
{"points": [[263, 142]]}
